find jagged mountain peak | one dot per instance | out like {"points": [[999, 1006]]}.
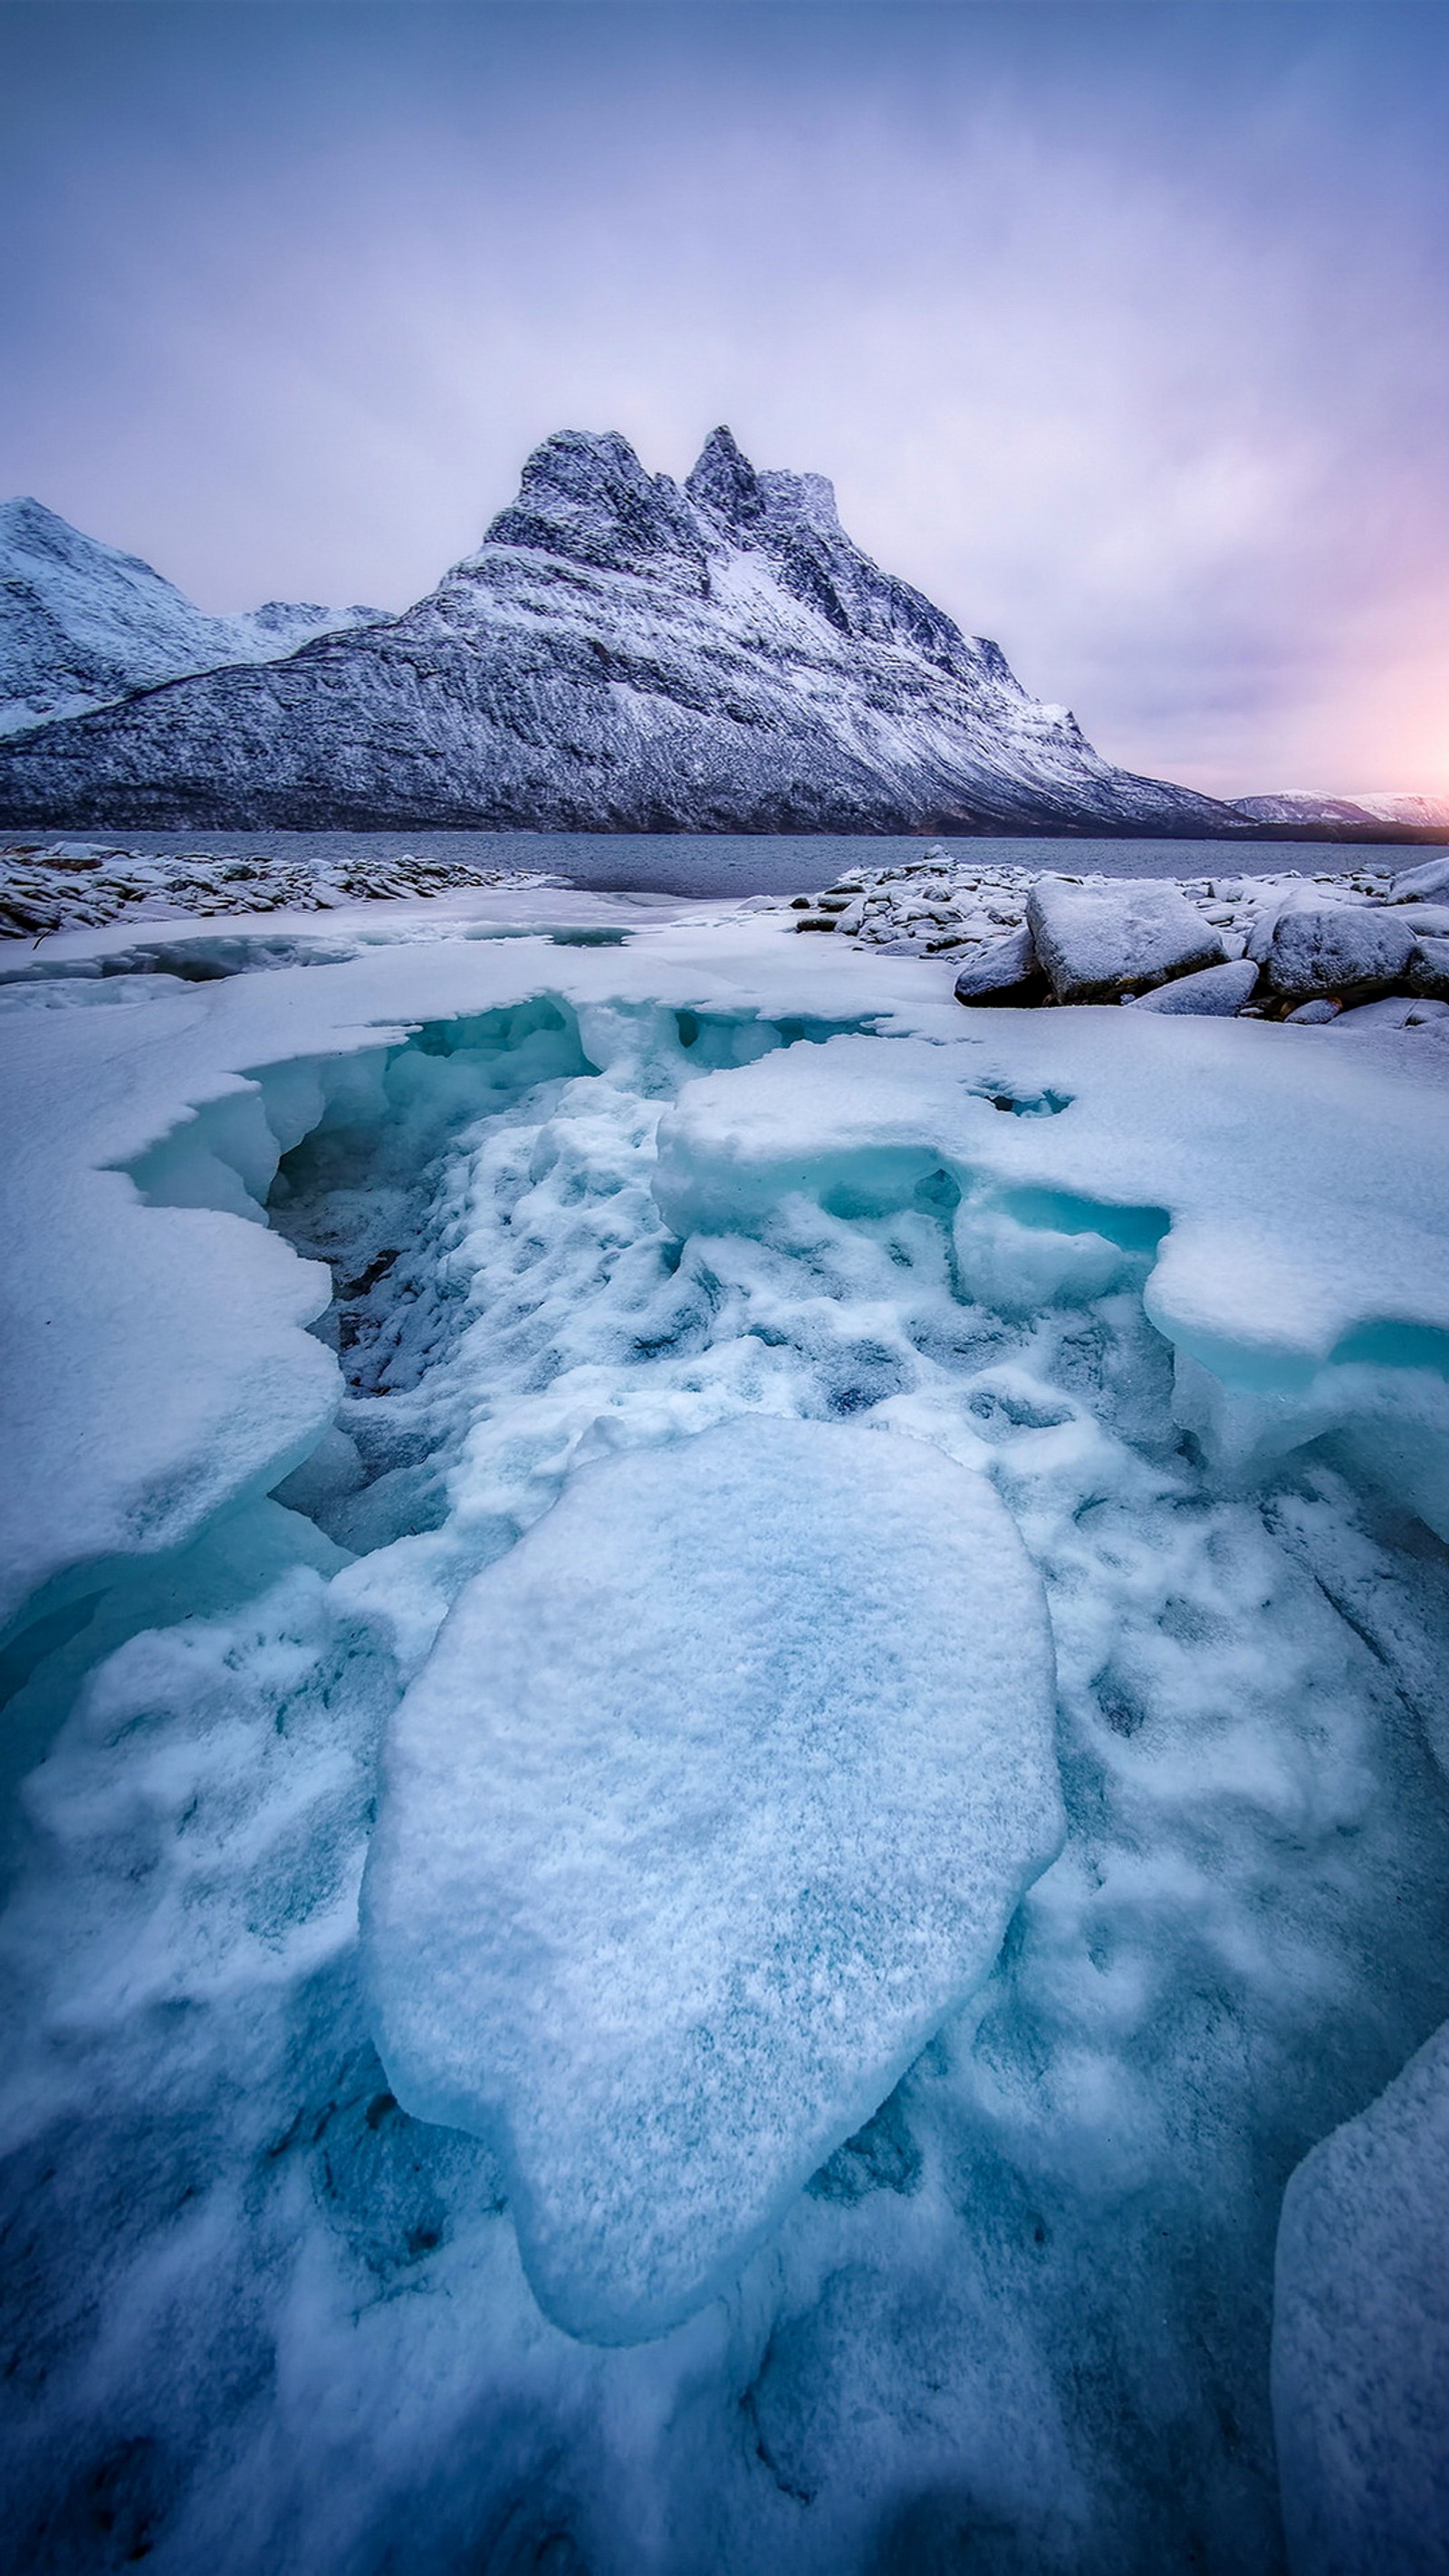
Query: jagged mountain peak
{"points": [[619, 653], [723, 479], [584, 496], [29, 532], [725, 483]]}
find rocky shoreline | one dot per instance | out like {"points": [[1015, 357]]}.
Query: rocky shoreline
{"points": [[1365, 946]]}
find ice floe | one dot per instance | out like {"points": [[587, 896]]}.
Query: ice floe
{"points": [[712, 1801]]}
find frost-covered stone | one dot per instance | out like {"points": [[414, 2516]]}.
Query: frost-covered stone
{"points": [[1428, 883], [1215, 992], [1348, 950], [1099, 941], [1361, 2337], [1391, 1011], [1428, 973], [713, 1800], [1315, 1014], [1005, 972]]}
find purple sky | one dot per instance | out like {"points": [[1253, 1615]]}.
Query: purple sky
{"points": [[1123, 330]]}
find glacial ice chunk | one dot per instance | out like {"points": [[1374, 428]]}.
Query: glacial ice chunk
{"points": [[711, 1804], [1361, 2336]]}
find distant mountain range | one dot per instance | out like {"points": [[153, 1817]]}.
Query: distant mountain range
{"points": [[1300, 805], [81, 623], [621, 653]]}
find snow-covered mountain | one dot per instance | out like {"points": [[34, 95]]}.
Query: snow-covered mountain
{"points": [[1303, 805], [81, 623], [619, 654]]}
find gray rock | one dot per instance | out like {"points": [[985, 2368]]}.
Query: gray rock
{"points": [[1216, 992], [1428, 975], [1005, 974], [1428, 883], [1100, 941], [1313, 1015], [1351, 950], [1395, 1011]]}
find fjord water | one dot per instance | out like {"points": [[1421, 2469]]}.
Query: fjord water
{"points": [[747, 863]]}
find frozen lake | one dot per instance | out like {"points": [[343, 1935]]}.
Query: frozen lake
{"points": [[768, 863]]}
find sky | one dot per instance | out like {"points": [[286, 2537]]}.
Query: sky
{"points": [[1121, 327]]}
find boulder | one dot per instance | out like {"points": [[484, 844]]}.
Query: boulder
{"points": [[1394, 1011], [1428, 883], [1216, 992], [1006, 973], [1351, 950], [1428, 974], [1315, 1014], [1119, 936]]}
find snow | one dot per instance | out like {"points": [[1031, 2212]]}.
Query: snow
{"points": [[712, 1801], [1174, 1287], [1101, 940], [1361, 2335]]}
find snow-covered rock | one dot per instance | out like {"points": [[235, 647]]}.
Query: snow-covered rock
{"points": [[1349, 951], [714, 1798], [1315, 1014], [82, 623], [1391, 1011], [71, 884], [1429, 969], [620, 654], [1214, 992], [1003, 971], [1361, 2337], [1100, 940], [1428, 883]]}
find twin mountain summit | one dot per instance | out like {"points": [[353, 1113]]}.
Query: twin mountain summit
{"points": [[621, 654]]}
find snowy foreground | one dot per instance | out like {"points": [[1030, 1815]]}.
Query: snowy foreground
{"points": [[726, 1834]]}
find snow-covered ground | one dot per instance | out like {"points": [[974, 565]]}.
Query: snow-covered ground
{"points": [[699, 1820]]}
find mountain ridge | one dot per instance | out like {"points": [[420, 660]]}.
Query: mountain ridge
{"points": [[624, 653], [83, 623]]}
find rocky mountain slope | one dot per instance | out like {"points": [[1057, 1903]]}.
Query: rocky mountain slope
{"points": [[81, 623], [620, 654]]}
